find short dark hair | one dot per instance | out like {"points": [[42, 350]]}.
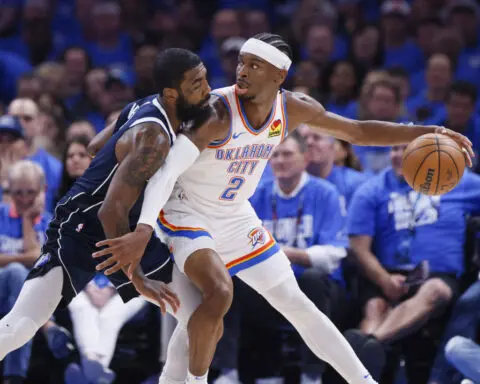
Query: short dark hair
{"points": [[464, 88], [276, 41], [301, 141], [171, 65]]}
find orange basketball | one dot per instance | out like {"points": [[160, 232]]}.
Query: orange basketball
{"points": [[433, 164]]}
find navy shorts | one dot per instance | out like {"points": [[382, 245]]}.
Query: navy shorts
{"points": [[71, 239]]}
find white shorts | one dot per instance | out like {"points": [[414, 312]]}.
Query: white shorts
{"points": [[238, 237]]}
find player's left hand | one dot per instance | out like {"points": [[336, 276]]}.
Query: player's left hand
{"points": [[463, 141], [158, 293]]}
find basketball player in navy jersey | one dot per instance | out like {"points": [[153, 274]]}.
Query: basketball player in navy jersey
{"points": [[105, 202]]}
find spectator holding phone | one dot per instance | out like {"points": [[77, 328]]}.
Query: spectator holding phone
{"points": [[392, 228]]}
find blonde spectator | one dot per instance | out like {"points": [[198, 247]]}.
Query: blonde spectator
{"points": [[27, 112]]}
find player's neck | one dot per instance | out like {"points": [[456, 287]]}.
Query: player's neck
{"points": [[289, 184], [321, 170], [258, 111], [172, 115]]}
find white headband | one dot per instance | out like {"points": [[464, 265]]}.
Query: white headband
{"points": [[267, 52]]}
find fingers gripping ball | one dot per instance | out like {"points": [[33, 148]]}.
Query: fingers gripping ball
{"points": [[433, 164]]}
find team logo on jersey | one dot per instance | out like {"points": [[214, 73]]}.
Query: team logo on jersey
{"points": [[256, 236], [275, 128], [42, 260], [79, 227]]}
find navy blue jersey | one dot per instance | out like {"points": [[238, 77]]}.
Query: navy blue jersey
{"points": [[72, 235], [97, 178]]}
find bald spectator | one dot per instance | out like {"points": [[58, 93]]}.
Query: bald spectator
{"points": [[22, 226], [429, 104], [27, 112], [80, 128]]}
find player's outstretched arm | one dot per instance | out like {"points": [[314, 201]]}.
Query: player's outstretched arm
{"points": [[303, 109]]}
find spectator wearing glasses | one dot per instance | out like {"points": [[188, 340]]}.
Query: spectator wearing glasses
{"points": [[392, 228], [22, 224], [27, 112]]}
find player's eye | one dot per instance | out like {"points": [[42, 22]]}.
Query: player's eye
{"points": [[254, 66]]}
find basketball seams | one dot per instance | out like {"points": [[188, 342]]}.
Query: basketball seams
{"points": [[415, 166], [420, 166], [454, 163], [445, 143], [416, 149]]}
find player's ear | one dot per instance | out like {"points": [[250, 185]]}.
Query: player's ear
{"points": [[170, 95], [280, 76]]}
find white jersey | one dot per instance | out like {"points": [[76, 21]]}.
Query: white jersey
{"points": [[227, 173]]}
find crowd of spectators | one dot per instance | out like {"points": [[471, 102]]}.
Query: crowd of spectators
{"points": [[346, 219]]}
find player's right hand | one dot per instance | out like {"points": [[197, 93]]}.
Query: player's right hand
{"points": [[124, 250], [158, 293]]}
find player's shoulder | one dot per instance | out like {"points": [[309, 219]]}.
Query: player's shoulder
{"points": [[300, 99], [301, 107], [148, 106]]}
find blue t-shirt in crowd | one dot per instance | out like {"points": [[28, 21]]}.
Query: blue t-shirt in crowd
{"points": [[408, 56], [386, 208], [120, 56], [317, 203], [347, 181], [12, 67], [421, 109], [11, 232], [53, 175]]}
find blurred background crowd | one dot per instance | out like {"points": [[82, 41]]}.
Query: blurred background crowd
{"points": [[351, 227]]}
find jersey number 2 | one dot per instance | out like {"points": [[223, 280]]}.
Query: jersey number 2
{"points": [[235, 184]]}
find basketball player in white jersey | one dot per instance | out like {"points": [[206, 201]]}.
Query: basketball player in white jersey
{"points": [[211, 228]]}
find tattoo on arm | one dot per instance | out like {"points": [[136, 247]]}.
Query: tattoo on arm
{"points": [[149, 154]]}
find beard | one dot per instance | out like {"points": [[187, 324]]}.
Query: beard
{"points": [[192, 116], [246, 97]]}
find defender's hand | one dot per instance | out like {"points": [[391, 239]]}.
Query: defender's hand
{"points": [[463, 141], [124, 250], [157, 292]]}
